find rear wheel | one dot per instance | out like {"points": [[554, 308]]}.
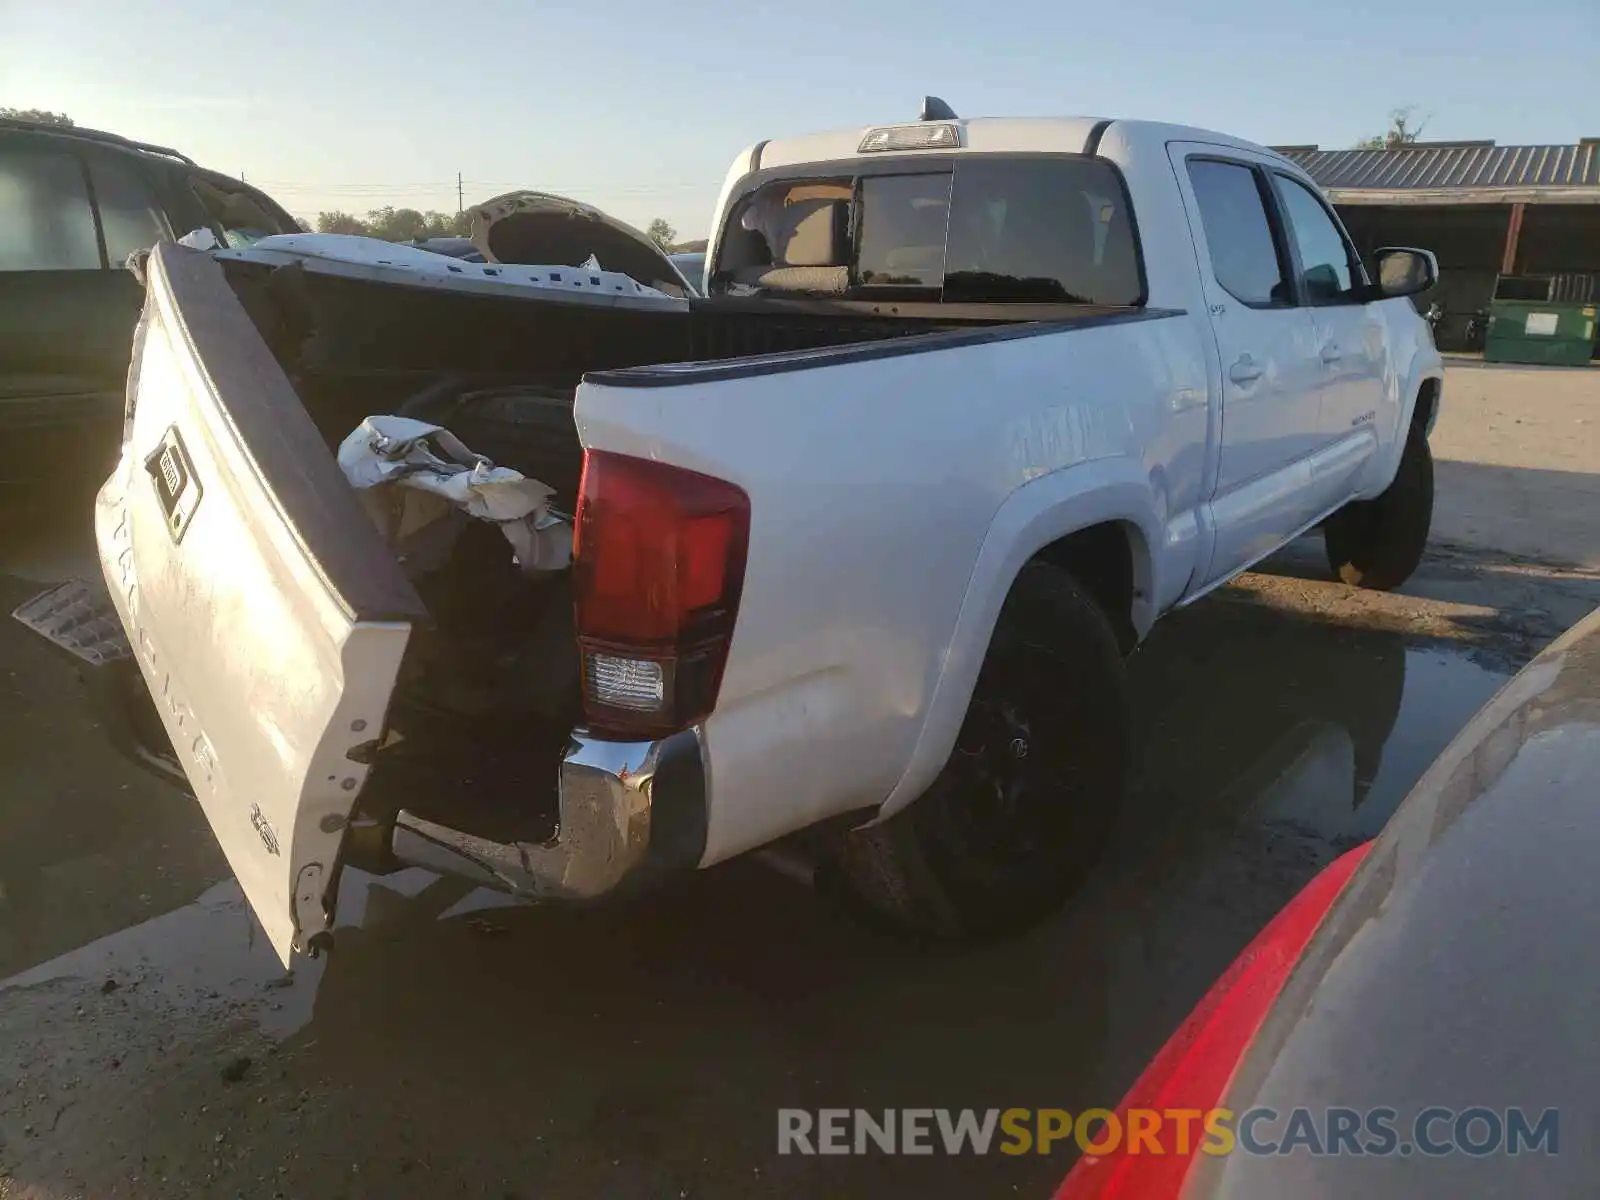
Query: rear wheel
{"points": [[1024, 806], [1378, 543]]}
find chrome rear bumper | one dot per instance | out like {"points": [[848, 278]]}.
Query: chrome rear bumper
{"points": [[629, 811]]}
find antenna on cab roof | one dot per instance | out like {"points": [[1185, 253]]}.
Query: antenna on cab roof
{"points": [[935, 109]]}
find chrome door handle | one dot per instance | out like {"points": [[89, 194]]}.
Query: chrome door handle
{"points": [[1331, 354], [1244, 371]]}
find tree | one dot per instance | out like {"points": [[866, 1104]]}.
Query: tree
{"points": [[339, 222], [42, 116], [661, 233], [1401, 131], [441, 224], [397, 224]]}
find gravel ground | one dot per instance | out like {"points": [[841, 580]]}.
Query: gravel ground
{"points": [[453, 1046], [1517, 451]]}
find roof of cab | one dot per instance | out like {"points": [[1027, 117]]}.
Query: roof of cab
{"points": [[1047, 135]]}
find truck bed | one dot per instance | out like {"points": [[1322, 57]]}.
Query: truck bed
{"points": [[354, 347]]}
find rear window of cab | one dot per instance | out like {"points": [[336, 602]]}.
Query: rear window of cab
{"points": [[972, 230]]}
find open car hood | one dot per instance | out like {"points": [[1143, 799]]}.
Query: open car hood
{"points": [[536, 227]]}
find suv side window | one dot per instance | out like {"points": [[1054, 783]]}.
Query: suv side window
{"points": [[1233, 212], [1330, 272], [129, 215], [46, 223]]}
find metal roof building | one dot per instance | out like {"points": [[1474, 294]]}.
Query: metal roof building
{"points": [[1487, 211], [1456, 173]]}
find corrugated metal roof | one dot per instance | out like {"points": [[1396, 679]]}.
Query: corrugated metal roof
{"points": [[1464, 166]]}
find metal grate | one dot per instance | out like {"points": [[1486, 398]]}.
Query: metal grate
{"points": [[78, 616]]}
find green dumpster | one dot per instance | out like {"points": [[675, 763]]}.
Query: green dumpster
{"points": [[1534, 331]]}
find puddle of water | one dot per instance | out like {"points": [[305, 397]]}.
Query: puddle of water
{"points": [[1442, 692], [1255, 715], [1323, 791]]}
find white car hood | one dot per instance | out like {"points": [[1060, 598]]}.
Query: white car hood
{"points": [[538, 227], [353, 256]]}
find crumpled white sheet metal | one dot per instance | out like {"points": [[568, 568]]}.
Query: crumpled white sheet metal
{"points": [[412, 473], [199, 239]]}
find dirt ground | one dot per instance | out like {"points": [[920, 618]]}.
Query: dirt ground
{"points": [[1518, 451], [452, 1045]]}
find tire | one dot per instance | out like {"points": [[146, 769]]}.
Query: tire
{"points": [[1022, 810], [1378, 543]]}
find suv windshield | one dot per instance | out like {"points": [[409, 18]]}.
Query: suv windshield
{"points": [[980, 229], [244, 215]]}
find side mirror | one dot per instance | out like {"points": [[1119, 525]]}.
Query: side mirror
{"points": [[1404, 272]]}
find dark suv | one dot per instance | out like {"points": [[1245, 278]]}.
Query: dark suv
{"points": [[74, 203]]}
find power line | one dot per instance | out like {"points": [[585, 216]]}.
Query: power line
{"points": [[458, 185], [385, 183]]}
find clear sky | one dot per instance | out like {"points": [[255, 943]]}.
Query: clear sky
{"points": [[639, 108]]}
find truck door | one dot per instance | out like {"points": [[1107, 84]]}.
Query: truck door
{"points": [[66, 312], [1267, 346], [1352, 337]]}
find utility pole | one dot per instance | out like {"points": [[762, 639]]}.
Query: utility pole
{"points": [[460, 206]]}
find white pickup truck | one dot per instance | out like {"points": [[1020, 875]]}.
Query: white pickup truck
{"points": [[966, 406]]}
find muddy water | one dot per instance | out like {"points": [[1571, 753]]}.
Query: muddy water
{"points": [[452, 1045]]}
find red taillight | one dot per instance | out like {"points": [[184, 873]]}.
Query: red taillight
{"points": [[658, 562], [1195, 1067]]}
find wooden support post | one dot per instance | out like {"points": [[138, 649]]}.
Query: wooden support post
{"points": [[1508, 260]]}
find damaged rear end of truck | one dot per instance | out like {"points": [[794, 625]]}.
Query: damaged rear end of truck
{"points": [[797, 506], [322, 702], [330, 697]]}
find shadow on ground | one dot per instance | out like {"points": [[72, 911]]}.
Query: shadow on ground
{"points": [[452, 1046]]}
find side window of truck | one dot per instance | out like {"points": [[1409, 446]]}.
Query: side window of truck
{"points": [[1233, 213], [1330, 272], [46, 223]]}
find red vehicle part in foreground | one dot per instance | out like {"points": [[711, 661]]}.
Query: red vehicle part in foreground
{"points": [[1195, 1067]]}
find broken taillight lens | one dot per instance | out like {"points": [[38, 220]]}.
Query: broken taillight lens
{"points": [[658, 563]]}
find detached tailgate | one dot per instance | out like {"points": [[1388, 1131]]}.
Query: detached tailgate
{"points": [[266, 614]]}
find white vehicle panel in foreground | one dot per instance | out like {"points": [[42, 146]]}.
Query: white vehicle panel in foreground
{"points": [[228, 615]]}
